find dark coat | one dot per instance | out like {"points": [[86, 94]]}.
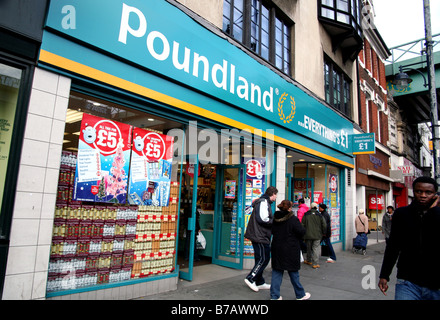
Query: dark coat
{"points": [[257, 230], [326, 216], [413, 243], [287, 232]]}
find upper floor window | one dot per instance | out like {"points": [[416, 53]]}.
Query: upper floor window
{"points": [[342, 20], [261, 28], [337, 88]]}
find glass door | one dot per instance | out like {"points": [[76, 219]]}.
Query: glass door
{"points": [[187, 221], [228, 225]]}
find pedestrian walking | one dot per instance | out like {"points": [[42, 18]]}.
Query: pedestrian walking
{"points": [[302, 209], [287, 232], [413, 244], [386, 222], [315, 227], [362, 230], [361, 223], [259, 233], [328, 233]]}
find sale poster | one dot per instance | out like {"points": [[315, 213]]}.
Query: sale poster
{"points": [[376, 203], [150, 171], [103, 160]]}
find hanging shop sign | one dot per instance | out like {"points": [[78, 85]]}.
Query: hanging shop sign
{"points": [[103, 160], [150, 169], [157, 36], [364, 143]]}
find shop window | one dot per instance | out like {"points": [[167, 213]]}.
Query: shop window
{"points": [[104, 230], [317, 182], [261, 27], [10, 79]]}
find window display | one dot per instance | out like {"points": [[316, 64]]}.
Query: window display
{"points": [[105, 230]]}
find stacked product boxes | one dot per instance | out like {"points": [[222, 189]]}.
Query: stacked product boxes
{"points": [[94, 244]]}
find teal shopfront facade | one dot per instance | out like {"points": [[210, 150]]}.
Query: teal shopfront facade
{"points": [[130, 61]]}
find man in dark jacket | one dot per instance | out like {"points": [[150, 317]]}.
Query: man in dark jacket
{"points": [[315, 227], [258, 232], [413, 243]]}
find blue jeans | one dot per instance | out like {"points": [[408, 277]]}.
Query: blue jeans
{"points": [[277, 279], [329, 243], [406, 290]]}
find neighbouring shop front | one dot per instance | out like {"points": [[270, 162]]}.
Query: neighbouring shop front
{"points": [[170, 130], [20, 38], [374, 192]]}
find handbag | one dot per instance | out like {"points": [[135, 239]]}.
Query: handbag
{"points": [[325, 249], [201, 241]]}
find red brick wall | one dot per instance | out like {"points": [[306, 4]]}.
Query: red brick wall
{"points": [[377, 72]]}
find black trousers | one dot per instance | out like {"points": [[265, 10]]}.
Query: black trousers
{"points": [[262, 258]]}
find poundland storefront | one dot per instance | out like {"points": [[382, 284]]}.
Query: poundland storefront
{"points": [[169, 129]]}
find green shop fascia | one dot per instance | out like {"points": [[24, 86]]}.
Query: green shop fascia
{"points": [[154, 51]]}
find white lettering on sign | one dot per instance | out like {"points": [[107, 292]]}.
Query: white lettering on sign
{"points": [[341, 138], [223, 75], [69, 20]]}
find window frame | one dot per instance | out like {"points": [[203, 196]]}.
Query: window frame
{"points": [[344, 88], [252, 28]]}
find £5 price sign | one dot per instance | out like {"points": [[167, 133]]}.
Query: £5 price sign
{"points": [[150, 171], [103, 160]]}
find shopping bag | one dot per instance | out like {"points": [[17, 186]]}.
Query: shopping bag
{"points": [[325, 249], [201, 241], [301, 257]]}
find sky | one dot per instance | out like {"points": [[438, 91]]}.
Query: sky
{"points": [[402, 21]]}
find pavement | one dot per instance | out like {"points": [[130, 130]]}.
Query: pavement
{"points": [[352, 277]]}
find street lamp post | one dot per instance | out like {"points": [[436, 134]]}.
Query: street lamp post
{"points": [[432, 89], [402, 80]]}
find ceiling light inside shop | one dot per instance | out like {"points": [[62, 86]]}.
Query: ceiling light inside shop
{"points": [[73, 116], [150, 119]]}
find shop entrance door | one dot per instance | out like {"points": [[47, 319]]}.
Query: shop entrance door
{"points": [[228, 225], [187, 224]]}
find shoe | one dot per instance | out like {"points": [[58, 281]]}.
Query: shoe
{"points": [[264, 286], [307, 262], [330, 260], [316, 266], [251, 285], [306, 297], [280, 298]]}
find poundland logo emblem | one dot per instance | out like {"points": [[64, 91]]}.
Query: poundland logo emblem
{"points": [[290, 107]]}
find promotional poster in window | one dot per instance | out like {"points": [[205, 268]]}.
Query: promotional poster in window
{"points": [[150, 171], [103, 160]]}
